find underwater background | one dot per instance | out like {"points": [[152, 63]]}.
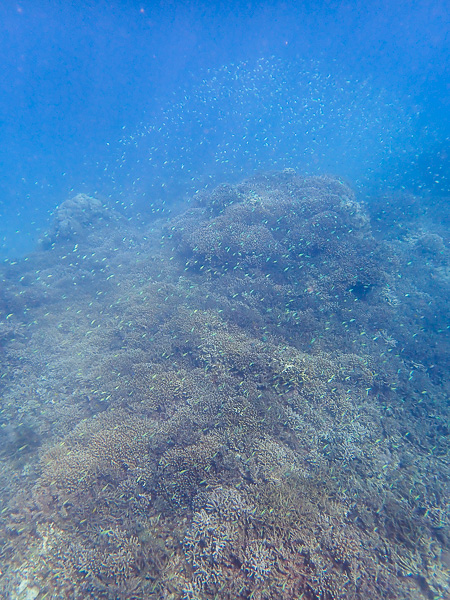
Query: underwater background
{"points": [[224, 300]]}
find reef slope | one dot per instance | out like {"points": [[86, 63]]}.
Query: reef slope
{"points": [[245, 402]]}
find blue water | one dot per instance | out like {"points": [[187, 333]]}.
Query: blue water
{"points": [[144, 101]]}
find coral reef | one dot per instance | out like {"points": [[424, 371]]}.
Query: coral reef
{"points": [[247, 403], [74, 216]]}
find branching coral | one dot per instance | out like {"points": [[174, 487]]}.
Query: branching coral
{"points": [[247, 426]]}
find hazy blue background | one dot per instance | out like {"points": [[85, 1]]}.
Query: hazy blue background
{"points": [[132, 100]]}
